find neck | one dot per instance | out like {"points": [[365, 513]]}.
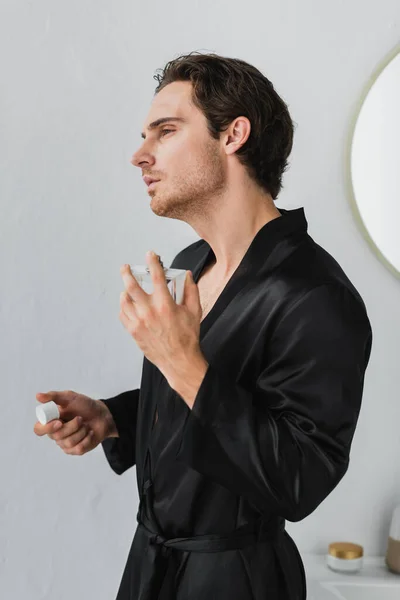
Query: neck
{"points": [[230, 227]]}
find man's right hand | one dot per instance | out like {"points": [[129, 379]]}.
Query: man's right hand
{"points": [[72, 436]]}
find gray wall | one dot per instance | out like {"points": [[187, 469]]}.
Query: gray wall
{"points": [[76, 84]]}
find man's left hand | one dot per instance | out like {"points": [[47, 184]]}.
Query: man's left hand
{"points": [[167, 332]]}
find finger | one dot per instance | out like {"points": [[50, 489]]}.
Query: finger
{"points": [[68, 428], [158, 277], [83, 446], [50, 427], [127, 306], [133, 288], [69, 442], [129, 324]]}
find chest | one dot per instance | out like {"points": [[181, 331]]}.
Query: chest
{"points": [[209, 289]]}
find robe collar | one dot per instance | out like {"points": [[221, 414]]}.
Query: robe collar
{"points": [[269, 247], [291, 222]]}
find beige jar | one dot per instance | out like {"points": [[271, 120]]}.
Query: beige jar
{"points": [[393, 548]]}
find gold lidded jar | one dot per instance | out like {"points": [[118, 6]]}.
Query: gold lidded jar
{"points": [[345, 557]]}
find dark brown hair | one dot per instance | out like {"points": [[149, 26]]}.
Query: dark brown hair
{"points": [[227, 88]]}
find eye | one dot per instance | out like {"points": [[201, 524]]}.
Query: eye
{"points": [[166, 130]]}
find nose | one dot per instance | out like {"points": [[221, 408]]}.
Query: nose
{"points": [[142, 158]]}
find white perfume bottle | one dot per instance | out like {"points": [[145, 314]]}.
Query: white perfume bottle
{"points": [[175, 280]]}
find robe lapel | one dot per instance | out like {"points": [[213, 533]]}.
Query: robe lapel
{"points": [[270, 246]]}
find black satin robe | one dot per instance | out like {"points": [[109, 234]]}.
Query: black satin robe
{"points": [[288, 342]]}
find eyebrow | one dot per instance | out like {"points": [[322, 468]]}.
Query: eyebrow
{"points": [[159, 122]]}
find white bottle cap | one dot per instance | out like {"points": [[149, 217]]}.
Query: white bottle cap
{"points": [[47, 412]]}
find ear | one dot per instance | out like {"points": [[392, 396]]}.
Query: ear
{"points": [[237, 134]]}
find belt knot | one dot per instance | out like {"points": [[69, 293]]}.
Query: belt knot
{"points": [[157, 539]]}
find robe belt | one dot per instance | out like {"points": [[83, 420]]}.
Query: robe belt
{"points": [[160, 564]]}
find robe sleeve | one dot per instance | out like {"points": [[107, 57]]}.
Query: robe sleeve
{"points": [[120, 451], [284, 444]]}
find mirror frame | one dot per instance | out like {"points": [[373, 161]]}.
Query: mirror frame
{"points": [[349, 147]]}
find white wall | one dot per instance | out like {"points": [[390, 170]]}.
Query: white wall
{"points": [[76, 83]]}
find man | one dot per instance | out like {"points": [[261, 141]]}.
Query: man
{"points": [[251, 389]]}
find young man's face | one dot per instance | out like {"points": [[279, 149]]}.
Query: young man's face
{"points": [[188, 162]]}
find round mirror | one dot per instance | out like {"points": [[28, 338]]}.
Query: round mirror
{"points": [[375, 163]]}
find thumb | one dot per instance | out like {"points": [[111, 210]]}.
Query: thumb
{"points": [[61, 398], [191, 295]]}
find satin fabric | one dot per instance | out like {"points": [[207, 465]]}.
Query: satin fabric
{"points": [[268, 438]]}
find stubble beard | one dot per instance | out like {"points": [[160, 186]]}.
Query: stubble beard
{"points": [[195, 196]]}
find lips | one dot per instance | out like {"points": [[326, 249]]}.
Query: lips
{"points": [[149, 180]]}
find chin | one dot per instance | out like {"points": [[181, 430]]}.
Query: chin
{"points": [[158, 206], [167, 207]]}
